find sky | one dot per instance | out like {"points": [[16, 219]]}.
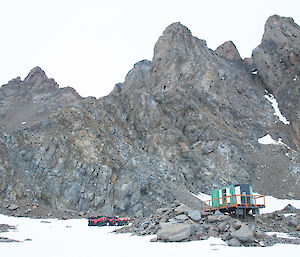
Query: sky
{"points": [[90, 45]]}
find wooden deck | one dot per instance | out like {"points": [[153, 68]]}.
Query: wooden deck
{"points": [[259, 202]]}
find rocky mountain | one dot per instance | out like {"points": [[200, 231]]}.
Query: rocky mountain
{"points": [[187, 121], [24, 103]]}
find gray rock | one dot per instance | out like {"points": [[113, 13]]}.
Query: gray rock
{"points": [[293, 223], [223, 226], [226, 236], [252, 226], [234, 242], [212, 219], [212, 232], [237, 225], [161, 210], [163, 225], [136, 79], [217, 212], [24, 103], [261, 243], [175, 232], [194, 215], [228, 50], [7, 240], [181, 209], [13, 207], [153, 240], [108, 210], [243, 234], [289, 208], [181, 217]]}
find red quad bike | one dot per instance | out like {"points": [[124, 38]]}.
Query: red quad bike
{"points": [[108, 221]]}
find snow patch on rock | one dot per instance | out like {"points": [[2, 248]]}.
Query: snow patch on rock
{"points": [[268, 140], [277, 112]]}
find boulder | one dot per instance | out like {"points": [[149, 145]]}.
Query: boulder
{"points": [[215, 218], [234, 242], [181, 217], [217, 212], [226, 236], [194, 215], [212, 219], [243, 234], [212, 232], [175, 232], [13, 207], [224, 226], [293, 223], [181, 209], [289, 208], [163, 225]]}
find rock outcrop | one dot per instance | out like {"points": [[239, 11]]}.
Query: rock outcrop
{"points": [[277, 59], [261, 230], [25, 103], [135, 80], [186, 122], [228, 50]]}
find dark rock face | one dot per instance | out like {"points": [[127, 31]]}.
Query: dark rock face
{"points": [[186, 122]]}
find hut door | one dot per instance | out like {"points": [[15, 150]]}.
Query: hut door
{"points": [[224, 196]]}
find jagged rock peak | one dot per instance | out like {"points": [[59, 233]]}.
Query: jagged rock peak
{"points": [[141, 64], [278, 51], [280, 28], [136, 79], [34, 74], [229, 51], [177, 37], [277, 60], [14, 81], [177, 28], [37, 80]]}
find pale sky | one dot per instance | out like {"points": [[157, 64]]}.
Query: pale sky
{"points": [[90, 45]]}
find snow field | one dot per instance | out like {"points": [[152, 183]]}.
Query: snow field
{"points": [[62, 238], [74, 238]]}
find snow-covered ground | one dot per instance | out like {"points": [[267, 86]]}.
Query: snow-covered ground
{"points": [[55, 238], [274, 204]]}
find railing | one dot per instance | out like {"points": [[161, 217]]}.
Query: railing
{"points": [[245, 201]]}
